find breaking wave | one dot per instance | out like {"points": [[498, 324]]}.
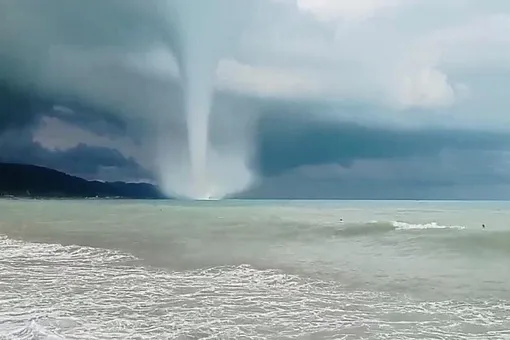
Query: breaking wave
{"points": [[455, 238], [431, 225], [376, 227]]}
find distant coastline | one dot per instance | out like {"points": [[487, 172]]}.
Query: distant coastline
{"points": [[24, 181]]}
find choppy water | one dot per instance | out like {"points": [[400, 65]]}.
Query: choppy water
{"points": [[254, 270]]}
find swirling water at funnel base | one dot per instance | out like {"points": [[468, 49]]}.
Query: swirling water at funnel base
{"points": [[254, 270]]}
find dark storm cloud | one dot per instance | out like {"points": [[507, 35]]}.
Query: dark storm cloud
{"points": [[92, 58], [21, 113], [18, 108], [86, 161], [289, 141], [97, 121], [82, 160]]}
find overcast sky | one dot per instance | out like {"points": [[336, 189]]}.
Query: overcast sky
{"points": [[329, 98]]}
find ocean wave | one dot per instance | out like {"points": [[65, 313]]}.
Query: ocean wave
{"points": [[432, 235], [431, 225], [43, 252], [382, 227]]}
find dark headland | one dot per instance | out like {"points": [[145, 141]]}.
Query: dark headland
{"points": [[23, 180]]}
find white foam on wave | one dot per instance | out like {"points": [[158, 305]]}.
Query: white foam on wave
{"points": [[431, 225], [30, 331], [73, 254], [97, 296]]}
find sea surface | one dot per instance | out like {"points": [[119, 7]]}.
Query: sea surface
{"points": [[254, 270]]}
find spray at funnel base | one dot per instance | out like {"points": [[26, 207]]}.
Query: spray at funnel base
{"points": [[225, 172]]}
